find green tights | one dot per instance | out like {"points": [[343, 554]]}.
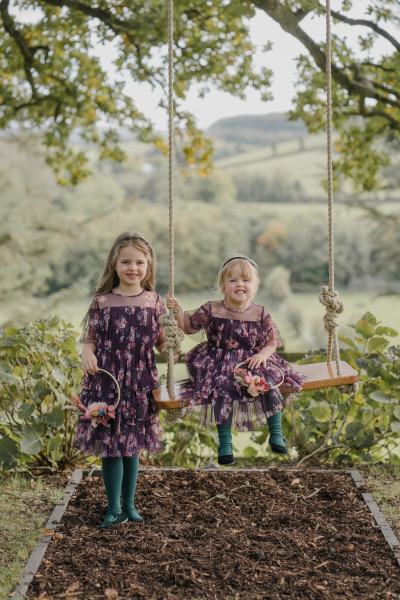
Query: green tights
{"points": [[276, 437], [120, 478]]}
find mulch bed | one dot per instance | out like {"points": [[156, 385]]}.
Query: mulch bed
{"points": [[272, 534]]}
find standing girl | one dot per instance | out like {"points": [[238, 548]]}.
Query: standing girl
{"points": [[122, 329], [238, 331]]}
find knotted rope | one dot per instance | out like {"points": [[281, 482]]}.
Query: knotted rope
{"points": [[328, 296], [173, 333]]}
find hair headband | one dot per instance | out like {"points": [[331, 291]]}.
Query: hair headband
{"points": [[240, 257]]}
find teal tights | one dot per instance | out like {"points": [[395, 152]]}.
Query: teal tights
{"points": [[225, 434], [120, 478], [275, 430]]}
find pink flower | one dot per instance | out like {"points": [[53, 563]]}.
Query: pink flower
{"points": [[252, 390], [99, 413]]}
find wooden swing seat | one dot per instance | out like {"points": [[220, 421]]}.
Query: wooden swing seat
{"points": [[317, 376]]}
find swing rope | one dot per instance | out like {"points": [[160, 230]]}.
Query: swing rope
{"points": [[173, 333], [328, 296]]}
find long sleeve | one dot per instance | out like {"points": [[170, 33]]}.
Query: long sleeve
{"points": [[272, 335], [160, 310], [92, 323]]}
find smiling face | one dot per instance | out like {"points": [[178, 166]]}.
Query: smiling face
{"points": [[239, 283], [131, 268]]}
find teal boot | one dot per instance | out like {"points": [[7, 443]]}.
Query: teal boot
{"points": [[112, 476], [276, 438], [225, 451], [131, 470]]}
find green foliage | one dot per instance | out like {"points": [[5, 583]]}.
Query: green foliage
{"points": [[53, 78], [188, 443], [354, 426], [39, 371]]}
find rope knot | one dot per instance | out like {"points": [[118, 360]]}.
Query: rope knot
{"points": [[333, 305], [173, 332]]}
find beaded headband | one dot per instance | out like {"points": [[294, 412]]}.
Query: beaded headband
{"points": [[241, 258]]}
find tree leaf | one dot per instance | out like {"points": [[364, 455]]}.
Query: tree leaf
{"points": [[377, 343], [365, 328], [321, 412], [31, 441], [9, 452], [249, 452], [380, 397], [381, 330], [58, 375]]}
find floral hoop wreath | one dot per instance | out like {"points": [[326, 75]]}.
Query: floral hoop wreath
{"points": [[255, 384], [99, 413]]}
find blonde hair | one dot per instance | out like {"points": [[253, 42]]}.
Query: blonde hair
{"points": [[109, 278], [248, 269]]}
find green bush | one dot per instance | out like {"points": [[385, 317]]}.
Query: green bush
{"points": [[39, 370], [361, 425]]}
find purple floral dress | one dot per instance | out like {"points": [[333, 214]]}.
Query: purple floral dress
{"points": [[125, 330], [231, 338]]}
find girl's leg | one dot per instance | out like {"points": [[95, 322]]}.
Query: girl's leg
{"points": [[276, 437], [112, 476], [225, 450], [131, 469]]}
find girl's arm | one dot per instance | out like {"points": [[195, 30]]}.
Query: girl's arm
{"points": [[260, 359], [272, 342], [89, 358]]}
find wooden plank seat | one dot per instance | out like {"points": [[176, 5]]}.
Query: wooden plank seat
{"points": [[317, 376]]}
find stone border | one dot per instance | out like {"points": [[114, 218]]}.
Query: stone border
{"points": [[54, 520], [380, 519], [37, 554]]}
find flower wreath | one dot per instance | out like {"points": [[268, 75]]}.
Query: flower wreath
{"points": [[99, 413], [255, 384]]}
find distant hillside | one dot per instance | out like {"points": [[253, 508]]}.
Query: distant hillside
{"points": [[256, 130]]}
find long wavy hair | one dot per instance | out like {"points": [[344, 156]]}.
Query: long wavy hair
{"points": [[109, 279]]}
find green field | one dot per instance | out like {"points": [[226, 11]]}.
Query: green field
{"points": [[386, 309]]}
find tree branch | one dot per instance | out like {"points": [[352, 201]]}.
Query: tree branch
{"points": [[368, 114], [105, 16], [119, 27], [290, 23], [25, 50], [368, 63], [367, 23]]}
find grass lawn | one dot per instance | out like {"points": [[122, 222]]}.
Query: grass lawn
{"points": [[385, 308], [25, 505]]}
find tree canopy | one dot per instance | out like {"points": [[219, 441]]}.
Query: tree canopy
{"points": [[52, 79]]}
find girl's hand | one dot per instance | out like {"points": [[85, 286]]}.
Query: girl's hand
{"points": [[173, 304], [89, 362], [257, 360]]}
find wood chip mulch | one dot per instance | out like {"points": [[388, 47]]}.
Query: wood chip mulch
{"points": [[272, 534]]}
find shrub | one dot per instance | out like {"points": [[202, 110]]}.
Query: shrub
{"points": [[39, 369]]}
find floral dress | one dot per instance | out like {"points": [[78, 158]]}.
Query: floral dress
{"points": [[232, 337], [125, 330]]}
